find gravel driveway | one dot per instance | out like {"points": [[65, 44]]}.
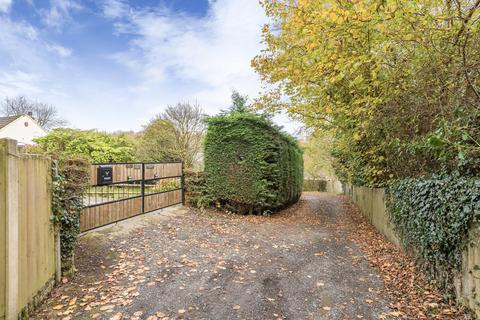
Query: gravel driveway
{"points": [[185, 264]]}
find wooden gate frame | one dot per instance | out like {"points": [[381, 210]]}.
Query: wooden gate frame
{"points": [[142, 179]]}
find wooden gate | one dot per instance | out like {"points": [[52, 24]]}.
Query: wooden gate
{"points": [[120, 191]]}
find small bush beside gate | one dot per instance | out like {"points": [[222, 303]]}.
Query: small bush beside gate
{"points": [[250, 165]]}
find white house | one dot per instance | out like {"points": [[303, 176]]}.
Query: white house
{"points": [[22, 128]]}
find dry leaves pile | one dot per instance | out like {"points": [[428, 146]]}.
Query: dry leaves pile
{"points": [[413, 296]]}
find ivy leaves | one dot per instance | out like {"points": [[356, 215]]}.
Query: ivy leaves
{"points": [[69, 181], [433, 216]]}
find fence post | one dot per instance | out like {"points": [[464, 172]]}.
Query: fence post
{"points": [[10, 189], [143, 187], [58, 250], [3, 227], [182, 181]]}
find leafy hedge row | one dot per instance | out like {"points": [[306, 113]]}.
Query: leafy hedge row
{"points": [[250, 165], [432, 217]]}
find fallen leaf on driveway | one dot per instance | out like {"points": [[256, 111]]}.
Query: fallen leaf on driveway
{"points": [[117, 316]]}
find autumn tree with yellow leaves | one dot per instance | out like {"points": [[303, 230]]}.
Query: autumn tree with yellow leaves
{"points": [[395, 81]]}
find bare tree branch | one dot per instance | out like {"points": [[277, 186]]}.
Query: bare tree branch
{"points": [[189, 122], [46, 115]]}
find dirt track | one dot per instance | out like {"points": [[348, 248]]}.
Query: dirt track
{"points": [[297, 264]]}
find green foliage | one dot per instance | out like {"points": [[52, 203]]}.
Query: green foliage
{"points": [[157, 142], [196, 194], [93, 145], [397, 81], [175, 134], [250, 165], [315, 185], [239, 102], [317, 156], [432, 217], [70, 179]]}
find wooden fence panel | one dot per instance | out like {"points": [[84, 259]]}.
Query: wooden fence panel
{"points": [[27, 241], [36, 232], [3, 230]]}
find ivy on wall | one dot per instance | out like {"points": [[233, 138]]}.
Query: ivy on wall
{"points": [[250, 165], [432, 217], [70, 178]]}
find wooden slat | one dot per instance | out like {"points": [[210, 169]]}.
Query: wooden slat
{"points": [[162, 200], [3, 229], [36, 237], [161, 170], [97, 216]]}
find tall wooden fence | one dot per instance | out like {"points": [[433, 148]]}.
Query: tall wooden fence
{"points": [[27, 242]]}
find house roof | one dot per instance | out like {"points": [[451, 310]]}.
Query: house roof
{"points": [[4, 121]]}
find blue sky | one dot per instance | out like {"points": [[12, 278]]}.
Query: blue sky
{"points": [[113, 64]]}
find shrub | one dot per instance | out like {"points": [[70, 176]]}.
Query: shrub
{"points": [[70, 178], [195, 189], [96, 146], [432, 217], [250, 165]]}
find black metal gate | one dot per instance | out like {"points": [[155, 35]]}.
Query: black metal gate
{"points": [[120, 191]]}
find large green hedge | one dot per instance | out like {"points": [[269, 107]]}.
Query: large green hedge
{"points": [[250, 165], [433, 216]]}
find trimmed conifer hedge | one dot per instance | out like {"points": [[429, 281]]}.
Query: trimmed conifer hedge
{"points": [[250, 165]]}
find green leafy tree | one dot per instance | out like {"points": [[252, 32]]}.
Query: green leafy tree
{"points": [[397, 81], [317, 158], [239, 102], [93, 145], [175, 134], [158, 142]]}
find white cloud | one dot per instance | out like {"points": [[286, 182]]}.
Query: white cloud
{"points": [[5, 5], [168, 58], [27, 66], [18, 82], [212, 52], [115, 8], [59, 12], [60, 50]]}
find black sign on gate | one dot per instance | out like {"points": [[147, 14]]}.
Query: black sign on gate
{"points": [[104, 175]]}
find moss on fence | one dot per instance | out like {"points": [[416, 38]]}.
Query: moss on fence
{"points": [[250, 165]]}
